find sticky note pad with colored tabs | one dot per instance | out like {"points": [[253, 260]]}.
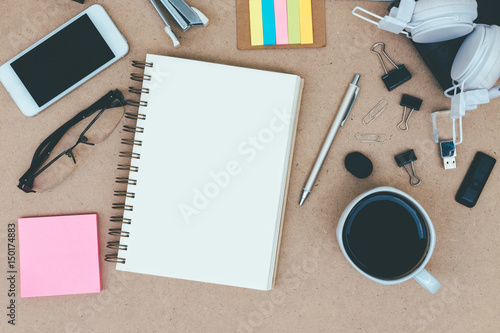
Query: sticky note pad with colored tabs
{"points": [[306, 24], [298, 24], [59, 255], [256, 25]]}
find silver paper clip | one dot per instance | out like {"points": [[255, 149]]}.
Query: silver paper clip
{"points": [[371, 138], [379, 108]]}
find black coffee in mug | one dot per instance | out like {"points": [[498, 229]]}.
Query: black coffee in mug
{"points": [[386, 236]]}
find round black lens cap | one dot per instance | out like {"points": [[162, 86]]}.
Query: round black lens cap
{"points": [[358, 164]]}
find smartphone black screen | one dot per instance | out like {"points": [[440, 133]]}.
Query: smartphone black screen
{"points": [[62, 60]]}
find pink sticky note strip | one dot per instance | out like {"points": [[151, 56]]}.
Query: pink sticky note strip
{"points": [[281, 20], [59, 255]]}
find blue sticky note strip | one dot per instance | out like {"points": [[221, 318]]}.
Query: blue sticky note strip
{"points": [[268, 22]]}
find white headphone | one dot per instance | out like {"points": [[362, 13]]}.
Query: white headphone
{"points": [[475, 70], [476, 67], [428, 21]]}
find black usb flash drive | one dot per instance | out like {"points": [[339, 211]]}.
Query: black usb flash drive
{"points": [[475, 179]]}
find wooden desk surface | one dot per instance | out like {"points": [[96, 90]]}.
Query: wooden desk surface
{"points": [[316, 289]]}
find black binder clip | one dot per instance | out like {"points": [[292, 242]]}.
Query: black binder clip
{"points": [[409, 102], [407, 158], [397, 76]]}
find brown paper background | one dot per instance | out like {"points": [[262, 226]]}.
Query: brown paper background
{"points": [[316, 289]]}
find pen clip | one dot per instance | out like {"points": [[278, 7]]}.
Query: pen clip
{"points": [[350, 105], [167, 28]]}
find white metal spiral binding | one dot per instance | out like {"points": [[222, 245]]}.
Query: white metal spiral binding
{"points": [[115, 244]]}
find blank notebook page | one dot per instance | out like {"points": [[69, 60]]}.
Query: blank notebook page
{"points": [[212, 173]]}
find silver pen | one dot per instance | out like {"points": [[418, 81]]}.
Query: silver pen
{"points": [[344, 110]]}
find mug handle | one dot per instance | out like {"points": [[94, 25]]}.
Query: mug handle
{"points": [[427, 281]]}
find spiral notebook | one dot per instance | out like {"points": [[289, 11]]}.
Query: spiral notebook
{"points": [[207, 187]]}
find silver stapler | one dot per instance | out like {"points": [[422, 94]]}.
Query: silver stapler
{"points": [[185, 16]]}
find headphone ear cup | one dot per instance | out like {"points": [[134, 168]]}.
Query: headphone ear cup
{"points": [[490, 72], [478, 59], [440, 20]]}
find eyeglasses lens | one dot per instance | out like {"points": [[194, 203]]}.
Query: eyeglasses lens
{"points": [[59, 168]]}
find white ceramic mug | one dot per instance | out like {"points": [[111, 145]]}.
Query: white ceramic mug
{"points": [[420, 274]]}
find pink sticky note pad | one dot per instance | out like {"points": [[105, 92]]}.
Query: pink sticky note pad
{"points": [[59, 255]]}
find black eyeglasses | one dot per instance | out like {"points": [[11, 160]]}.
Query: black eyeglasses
{"points": [[97, 121]]}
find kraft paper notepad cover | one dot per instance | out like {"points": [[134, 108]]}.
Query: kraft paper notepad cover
{"points": [[59, 255], [213, 172]]}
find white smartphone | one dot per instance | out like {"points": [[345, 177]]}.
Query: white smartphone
{"points": [[63, 60]]}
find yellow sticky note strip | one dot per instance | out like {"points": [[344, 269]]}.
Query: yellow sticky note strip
{"points": [[306, 25], [256, 28]]}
